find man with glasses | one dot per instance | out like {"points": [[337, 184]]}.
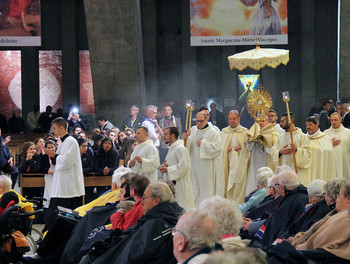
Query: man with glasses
{"points": [[273, 117], [194, 237], [291, 206], [234, 156], [204, 146]]}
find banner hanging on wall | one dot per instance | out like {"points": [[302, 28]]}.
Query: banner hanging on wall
{"points": [[238, 22], [20, 23]]}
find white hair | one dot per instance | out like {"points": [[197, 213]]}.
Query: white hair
{"points": [[263, 176], [263, 169], [199, 229], [316, 188], [162, 191], [6, 182], [288, 179], [282, 168], [118, 173], [150, 108], [228, 216]]}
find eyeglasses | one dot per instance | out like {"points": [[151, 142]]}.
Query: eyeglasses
{"points": [[144, 198], [177, 230], [271, 115], [200, 121]]}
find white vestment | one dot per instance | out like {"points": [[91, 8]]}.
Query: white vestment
{"points": [[279, 129], [341, 151], [259, 144], [206, 164], [68, 178], [322, 158], [152, 132], [234, 162], [150, 160], [302, 155], [178, 169]]}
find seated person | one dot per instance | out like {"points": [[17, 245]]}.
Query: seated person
{"points": [[107, 159], [5, 186], [260, 194], [255, 218], [87, 156], [332, 189], [331, 233], [30, 162], [123, 220], [125, 151], [314, 211], [148, 241], [290, 207], [228, 217]]}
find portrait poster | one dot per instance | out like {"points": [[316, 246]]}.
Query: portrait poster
{"points": [[238, 22], [20, 23]]}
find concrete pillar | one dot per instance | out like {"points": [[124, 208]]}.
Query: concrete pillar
{"points": [[345, 50], [70, 56], [30, 79], [112, 37]]}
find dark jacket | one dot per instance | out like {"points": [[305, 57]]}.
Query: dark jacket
{"points": [[290, 207], [127, 124], [109, 159], [45, 164], [16, 125], [29, 166], [87, 161], [72, 125], [148, 241], [218, 120], [5, 154], [308, 218]]}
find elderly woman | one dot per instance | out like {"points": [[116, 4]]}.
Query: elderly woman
{"points": [[228, 217], [260, 194], [314, 211], [332, 189]]}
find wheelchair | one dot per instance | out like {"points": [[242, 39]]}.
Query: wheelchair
{"points": [[15, 230]]}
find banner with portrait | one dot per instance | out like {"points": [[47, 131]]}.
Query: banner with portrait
{"points": [[20, 23], [238, 22]]}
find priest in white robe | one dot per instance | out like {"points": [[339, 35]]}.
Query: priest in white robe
{"points": [[204, 147], [144, 159], [176, 168], [341, 145], [234, 156], [67, 186], [260, 139], [282, 151], [322, 154]]}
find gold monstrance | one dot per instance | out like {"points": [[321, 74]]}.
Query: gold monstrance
{"points": [[259, 103]]}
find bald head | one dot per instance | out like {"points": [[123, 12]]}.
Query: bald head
{"points": [[201, 120], [335, 120]]}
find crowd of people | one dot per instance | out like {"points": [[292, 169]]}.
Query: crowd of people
{"points": [[269, 186]]}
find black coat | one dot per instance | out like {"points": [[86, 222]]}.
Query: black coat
{"points": [[220, 121], [290, 207], [5, 154], [308, 218], [148, 241], [87, 161], [29, 166], [109, 159], [16, 125], [96, 217]]}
